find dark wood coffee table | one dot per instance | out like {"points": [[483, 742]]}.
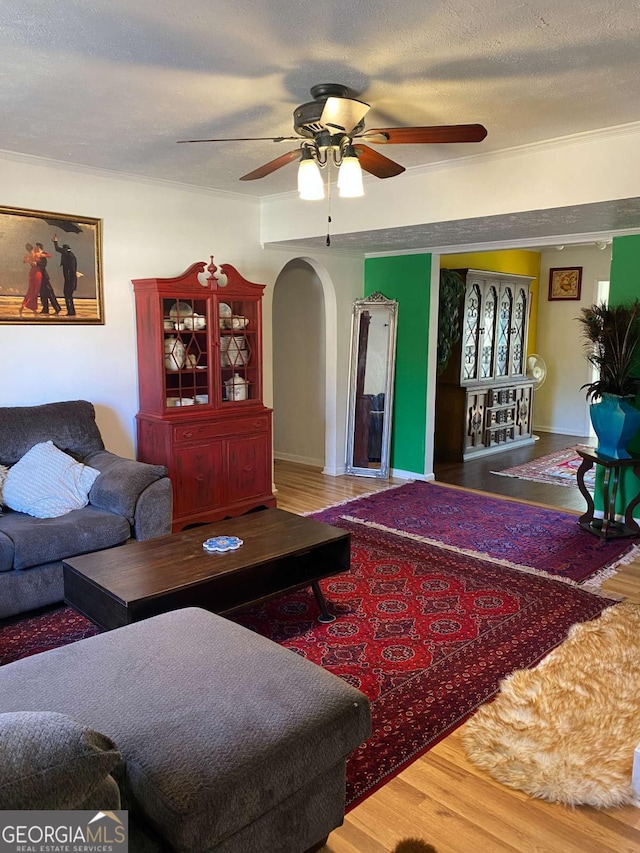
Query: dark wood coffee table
{"points": [[281, 552]]}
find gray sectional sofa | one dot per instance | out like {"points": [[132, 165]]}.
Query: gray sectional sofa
{"points": [[214, 738], [129, 499]]}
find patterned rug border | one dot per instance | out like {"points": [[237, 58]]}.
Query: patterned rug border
{"points": [[571, 556], [592, 584]]}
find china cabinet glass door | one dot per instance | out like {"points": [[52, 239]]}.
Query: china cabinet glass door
{"points": [[518, 343], [239, 361], [471, 333], [186, 351], [504, 331]]}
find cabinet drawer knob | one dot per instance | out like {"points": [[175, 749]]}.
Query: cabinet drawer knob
{"points": [[199, 478], [248, 469], [187, 435]]}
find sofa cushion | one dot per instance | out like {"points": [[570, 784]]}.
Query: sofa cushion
{"points": [[44, 540], [50, 761], [48, 483], [70, 425], [216, 725], [3, 476], [7, 550]]}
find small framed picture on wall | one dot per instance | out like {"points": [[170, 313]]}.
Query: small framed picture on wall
{"points": [[565, 282]]}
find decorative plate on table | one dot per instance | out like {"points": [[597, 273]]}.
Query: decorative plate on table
{"points": [[219, 544]]}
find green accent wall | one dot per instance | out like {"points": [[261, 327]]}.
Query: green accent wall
{"points": [[407, 278], [625, 286], [625, 269]]}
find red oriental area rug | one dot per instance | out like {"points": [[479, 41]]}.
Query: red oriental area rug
{"points": [[515, 534], [425, 632]]}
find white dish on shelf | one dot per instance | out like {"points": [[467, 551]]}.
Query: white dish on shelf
{"points": [[224, 310], [195, 323], [180, 309], [239, 322], [237, 356]]}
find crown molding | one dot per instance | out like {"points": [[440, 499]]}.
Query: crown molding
{"points": [[115, 175], [583, 138]]}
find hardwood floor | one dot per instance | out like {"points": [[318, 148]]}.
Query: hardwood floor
{"points": [[441, 797]]}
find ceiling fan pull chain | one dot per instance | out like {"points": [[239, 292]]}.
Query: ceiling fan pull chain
{"points": [[328, 203]]}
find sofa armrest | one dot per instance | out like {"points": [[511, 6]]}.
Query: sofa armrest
{"points": [[154, 510], [121, 482]]}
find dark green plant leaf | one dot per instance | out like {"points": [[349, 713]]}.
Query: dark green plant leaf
{"points": [[452, 288], [611, 341]]}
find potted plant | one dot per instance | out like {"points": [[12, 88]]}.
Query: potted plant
{"points": [[611, 337]]}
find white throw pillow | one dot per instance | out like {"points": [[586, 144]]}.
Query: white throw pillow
{"points": [[47, 483]]}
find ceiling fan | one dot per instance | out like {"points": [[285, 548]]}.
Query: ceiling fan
{"points": [[332, 130]]}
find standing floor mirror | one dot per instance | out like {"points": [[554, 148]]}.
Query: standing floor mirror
{"points": [[372, 370]]}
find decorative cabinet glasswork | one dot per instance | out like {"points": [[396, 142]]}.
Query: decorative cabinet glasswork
{"points": [[484, 399], [199, 344]]}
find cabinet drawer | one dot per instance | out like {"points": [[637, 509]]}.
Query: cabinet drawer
{"points": [[498, 417], [499, 435], [196, 432], [502, 396]]}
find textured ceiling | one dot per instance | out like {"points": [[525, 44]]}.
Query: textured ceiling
{"points": [[114, 84], [529, 229]]}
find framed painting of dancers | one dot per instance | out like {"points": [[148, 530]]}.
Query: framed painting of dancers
{"points": [[50, 268]]}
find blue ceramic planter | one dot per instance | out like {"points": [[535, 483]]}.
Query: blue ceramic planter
{"points": [[615, 422]]}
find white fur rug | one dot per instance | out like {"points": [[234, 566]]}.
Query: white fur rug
{"points": [[566, 730]]}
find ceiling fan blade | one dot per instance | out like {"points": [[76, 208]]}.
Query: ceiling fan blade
{"points": [[274, 165], [343, 114], [244, 139], [377, 164], [419, 135]]}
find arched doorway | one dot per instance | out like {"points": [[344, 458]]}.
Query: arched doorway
{"points": [[304, 346]]}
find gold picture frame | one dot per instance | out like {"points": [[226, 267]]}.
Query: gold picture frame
{"points": [[565, 283], [51, 268]]}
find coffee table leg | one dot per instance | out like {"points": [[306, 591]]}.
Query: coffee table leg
{"points": [[325, 616]]}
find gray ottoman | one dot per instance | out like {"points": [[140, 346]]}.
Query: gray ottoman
{"points": [[230, 743]]}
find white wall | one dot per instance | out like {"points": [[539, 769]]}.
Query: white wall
{"points": [[341, 277], [299, 363], [153, 229], [149, 229], [560, 406]]}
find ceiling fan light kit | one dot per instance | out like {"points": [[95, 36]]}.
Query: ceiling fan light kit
{"points": [[329, 125], [350, 175], [310, 186]]}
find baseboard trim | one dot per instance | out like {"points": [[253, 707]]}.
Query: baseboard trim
{"points": [[410, 475], [300, 460]]}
